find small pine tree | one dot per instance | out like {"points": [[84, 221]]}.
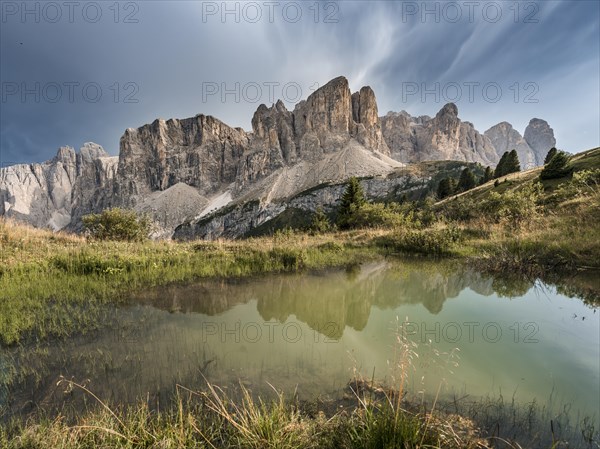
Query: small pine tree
{"points": [[320, 223], [512, 164], [466, 180], [352, 200], [500, 168], [550, 155], [445, 188], [509, 163], [558, 167], [488, 175]]}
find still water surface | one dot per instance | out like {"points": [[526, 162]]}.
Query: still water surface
{"points": [[311, 333]]}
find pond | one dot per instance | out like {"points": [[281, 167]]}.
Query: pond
{"points": [[474, 337]]}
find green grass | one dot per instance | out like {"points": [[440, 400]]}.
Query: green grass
{"points": [[211, 419], [53, 285]]}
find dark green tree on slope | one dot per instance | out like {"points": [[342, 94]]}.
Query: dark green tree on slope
{"points": [[466, 180], [550, 155], [445, 188], [558, 167], [509, 163], [488, 175], [352, 200]]}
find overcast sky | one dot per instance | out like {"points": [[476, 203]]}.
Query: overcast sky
{"points": [[86, 71]]}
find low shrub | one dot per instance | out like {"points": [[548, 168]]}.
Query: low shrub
{"points": [[320, 222], [116, 224], [514, 206], [291, 259], [425, 242]]}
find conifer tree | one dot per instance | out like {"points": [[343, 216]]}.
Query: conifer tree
{"points": [[320, 223], [488, 175], [352, 200], [500, 168], [513, 165], [509, 163], [558, 167], [444, 188], [550, 155], [466, 180]]}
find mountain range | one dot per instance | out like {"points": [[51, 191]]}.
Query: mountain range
{"points": [[200, 178]]}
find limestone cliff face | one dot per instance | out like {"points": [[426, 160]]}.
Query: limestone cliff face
{"points": [[457, 140], [323, 123], [532, 147], [46, 194], [505, 138], [367, 125], [92, 190], [444, 137], [171, 169], [202, 152], [180, 171], [540, 137]]}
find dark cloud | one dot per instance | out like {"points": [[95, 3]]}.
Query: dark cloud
{"points": [[171, 53]]}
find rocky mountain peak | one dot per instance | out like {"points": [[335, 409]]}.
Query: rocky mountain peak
{"points": [[280, 106], [65, 155], [366, 120], [364, 107], [540, 137], [90, 151], [328, 109], [505, 138], [325, 122], [449, 110], [445, 137]]}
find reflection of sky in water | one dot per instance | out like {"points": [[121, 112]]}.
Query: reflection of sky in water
{"points": [[237, 331]]}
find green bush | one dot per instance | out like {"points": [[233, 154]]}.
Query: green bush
{"points": [[284, 234], [291, 259], [583, 183], [513, 206], [460, 209], [379, 215], [320, 222], [425, 242], [117, 224], [587, 180]]}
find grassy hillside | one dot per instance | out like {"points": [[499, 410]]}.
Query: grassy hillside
{"points": [[558, 227]]}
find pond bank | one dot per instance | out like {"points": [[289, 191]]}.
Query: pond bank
{"points": [[55, 285]]}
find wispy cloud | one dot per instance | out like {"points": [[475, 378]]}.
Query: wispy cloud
{"points": [[172, 51]]}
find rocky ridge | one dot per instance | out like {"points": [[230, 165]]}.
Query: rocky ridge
{"points": [[182, 171], [446, 137], [48, 194]]}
